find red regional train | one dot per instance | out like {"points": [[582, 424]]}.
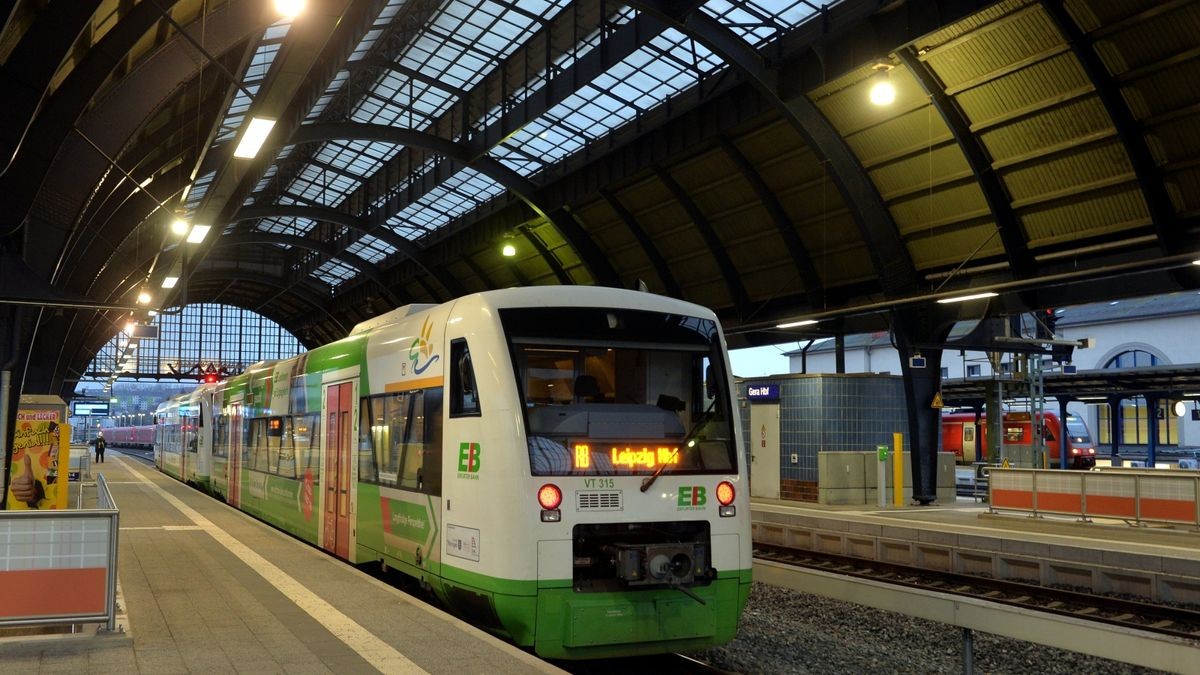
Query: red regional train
{"points": [[961, 436], [130, 437]]}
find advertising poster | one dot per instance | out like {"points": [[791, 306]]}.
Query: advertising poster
{"points": [[41, 444]]}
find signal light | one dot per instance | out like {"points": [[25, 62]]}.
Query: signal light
{"points": [[725, 493], [211, 378], [549, 496]]}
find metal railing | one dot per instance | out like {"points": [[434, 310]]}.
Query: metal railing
{"points": [[1137, 497], [60, 567]]}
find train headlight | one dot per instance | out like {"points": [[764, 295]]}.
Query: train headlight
{"points": [[549, 498]]}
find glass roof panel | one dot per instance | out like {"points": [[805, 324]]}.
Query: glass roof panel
{"points": [[335, 272], [760, 21], [319, 107], [286, 225], [452, 198], [662, 68], [371, 249], [256, 72]]}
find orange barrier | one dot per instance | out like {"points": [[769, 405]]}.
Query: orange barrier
{"points": [[60, 566], [1145, 496], [56, 592]]}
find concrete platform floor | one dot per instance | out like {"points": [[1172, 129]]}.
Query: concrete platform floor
{"points": [[206, 588]]}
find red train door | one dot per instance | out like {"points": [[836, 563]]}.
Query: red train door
{"points": [[338, 401], [235, 455]]}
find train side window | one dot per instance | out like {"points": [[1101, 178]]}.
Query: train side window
{"points": [[464, 396], [413, 443], [431, 471], [287, 450], [368, 426], [306, 440], [258, 441]]}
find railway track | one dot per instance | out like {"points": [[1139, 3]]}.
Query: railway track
{"points": [[1166, 620], [659, 664]]}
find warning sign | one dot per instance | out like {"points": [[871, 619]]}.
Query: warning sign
{"points": [[937, 401]]}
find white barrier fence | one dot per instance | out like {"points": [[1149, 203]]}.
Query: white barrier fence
{"points": [[60, 566], [1134, 496]]}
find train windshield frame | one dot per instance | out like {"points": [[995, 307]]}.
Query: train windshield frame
{"points": [[620, 392]]}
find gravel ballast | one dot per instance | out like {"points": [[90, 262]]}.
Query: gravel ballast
{"points": [[785, 631]]}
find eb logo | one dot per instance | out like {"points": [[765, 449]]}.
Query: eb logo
{"points": [[468, 457], [693, 496]]}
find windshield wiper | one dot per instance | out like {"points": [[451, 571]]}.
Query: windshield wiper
{"points": [[688, 441]]}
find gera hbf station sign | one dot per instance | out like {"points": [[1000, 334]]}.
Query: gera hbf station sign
{"points": [[762, 391]]}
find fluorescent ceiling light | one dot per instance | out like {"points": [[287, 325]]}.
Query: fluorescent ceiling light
{"points": [[169, 282], [199, 232], [1092, 398], [1196, 261], [152, 313], [964, 298], [146, 182], [252, 139], [793, 324], [186, 189]]}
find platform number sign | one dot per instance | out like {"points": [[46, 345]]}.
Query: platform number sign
{"points": [[468, 458]]}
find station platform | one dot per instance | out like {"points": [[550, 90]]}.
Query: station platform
{"points": [[205, 588], [1157, 563]]}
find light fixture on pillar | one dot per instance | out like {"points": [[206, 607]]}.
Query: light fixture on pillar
{"points": [[882, 92]]}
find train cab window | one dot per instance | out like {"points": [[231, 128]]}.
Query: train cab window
{"points": [[464, 396]]}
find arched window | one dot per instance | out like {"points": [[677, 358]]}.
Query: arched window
{"points": [[195, 336], [1135, 415]]}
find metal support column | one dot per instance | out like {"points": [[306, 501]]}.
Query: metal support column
{"points": [[1114, 430], [1063, 434], [839, 342], [1152, 403], [968, 652]]}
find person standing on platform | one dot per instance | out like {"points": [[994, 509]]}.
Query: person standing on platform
{"points": [[100, 444]]}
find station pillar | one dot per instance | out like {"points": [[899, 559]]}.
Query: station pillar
{"points": [[1114, 429], [1063, 434], [1152, 403], [914, 328]]}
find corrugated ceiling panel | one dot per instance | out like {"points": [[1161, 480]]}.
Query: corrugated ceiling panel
{"points": [[1090, 164], [920, 170], [668, 225], [1152, 40], [849, 108], [1120, 208], [1177, 140], [943, 248], [1028, 32], [913, 131], [1091, 14], [1028, 87], [947, 205], [1074, 120], [973, 22], [835, 246], [1164, 91], [1185, 187]]}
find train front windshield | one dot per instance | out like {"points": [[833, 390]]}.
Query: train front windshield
{"points": [[611, 392], [1078, 431]]}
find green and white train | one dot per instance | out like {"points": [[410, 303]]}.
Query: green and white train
{"points": [[559, 465]]}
